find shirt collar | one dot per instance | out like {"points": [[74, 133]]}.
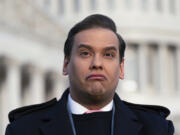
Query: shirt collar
{"points": [[76, 108]]}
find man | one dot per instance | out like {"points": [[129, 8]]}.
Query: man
{"points": [[94, 62]]}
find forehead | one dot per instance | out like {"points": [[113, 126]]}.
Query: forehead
{"points": [[97, 38]]}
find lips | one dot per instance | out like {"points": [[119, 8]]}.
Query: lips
{"points": [[100, 77]]}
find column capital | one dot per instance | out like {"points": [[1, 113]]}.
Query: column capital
{"points": [[8, 66], [32, 69], [9, 61]]}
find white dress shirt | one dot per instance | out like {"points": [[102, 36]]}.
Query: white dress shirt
{"points": [[76, 108]]}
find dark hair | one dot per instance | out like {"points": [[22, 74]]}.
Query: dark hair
{"points": [[89, 22]]}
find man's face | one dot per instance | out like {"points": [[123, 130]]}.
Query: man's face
{"points": [[94, 68]]}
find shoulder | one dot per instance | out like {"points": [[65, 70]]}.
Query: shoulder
{"points": [[152, 109], [26, 120], [32, 109], [153, 117]]}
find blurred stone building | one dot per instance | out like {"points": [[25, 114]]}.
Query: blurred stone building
{"points": [[32, 35]]}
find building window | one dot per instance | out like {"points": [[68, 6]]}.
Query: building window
{"points": [[128, 3], [93, 4], [144, 4], [61, 7], [172, 6], [110, 4], [159, 5], [76, 5]]}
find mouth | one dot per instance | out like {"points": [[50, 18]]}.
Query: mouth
{"points": [[98, 77]]}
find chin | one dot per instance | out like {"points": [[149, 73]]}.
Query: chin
{"points": [[97, 91], [98, 94]]}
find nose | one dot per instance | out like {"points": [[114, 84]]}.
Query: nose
{"points": [[96, 63]]}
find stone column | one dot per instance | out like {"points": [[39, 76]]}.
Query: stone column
{"points": [[165, 7], [176, 11], [2, 4], [10, 90], [1, 112], [162, 72], [62, 84], [142, 59], [57, 92], [57, 85], [178, 7], [40, 3], [54, 7], [9, 9], [119, 6], [101, 5], [136, 5], [3, 71], [13, 84], [34, 92], [69, 8], [37, 86], [144, 5], [178, 68], [85, 6], [152, 7], [50, 85]]}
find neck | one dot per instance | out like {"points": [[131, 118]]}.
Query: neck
{"points": [[92, 103]]}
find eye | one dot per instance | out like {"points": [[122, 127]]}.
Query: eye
{"points": [[84, 53], [109, 55]]}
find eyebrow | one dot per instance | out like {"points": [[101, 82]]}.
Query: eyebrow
{"points": [[90, 48], [85, 46], [110, 48]]}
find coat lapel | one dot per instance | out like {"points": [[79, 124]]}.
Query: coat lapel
{"points": [[126, 122], [56, 122]]}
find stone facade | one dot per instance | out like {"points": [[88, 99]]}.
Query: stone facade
{"points": [[32, 35]]}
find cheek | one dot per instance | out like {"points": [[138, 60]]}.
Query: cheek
{"points": [[114, 71], [79, 68]]}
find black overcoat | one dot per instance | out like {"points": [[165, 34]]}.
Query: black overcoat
{"points": [[51, 118]]}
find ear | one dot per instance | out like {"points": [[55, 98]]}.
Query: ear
{"points": [[121, 75], [65, 66]]}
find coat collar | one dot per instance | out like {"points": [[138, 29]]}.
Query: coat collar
{"points": [[57, 122], [126, 122]]}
